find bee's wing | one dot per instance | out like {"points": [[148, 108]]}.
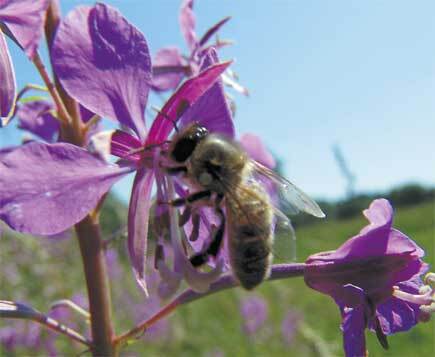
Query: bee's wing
{"points": [[292, 199]]}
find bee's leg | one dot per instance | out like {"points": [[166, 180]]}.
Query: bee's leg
{"points": [[185, 216], [196, 221], [200, 195], [172, 171], [214, 247]]}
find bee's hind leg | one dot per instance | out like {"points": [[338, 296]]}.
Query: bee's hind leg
{"points": [[214, 247], [200, 195]]}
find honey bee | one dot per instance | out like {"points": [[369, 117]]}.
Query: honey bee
{"points": [[224, 173]]}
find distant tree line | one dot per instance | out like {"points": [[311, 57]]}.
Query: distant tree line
{"points": [[406, 195]]}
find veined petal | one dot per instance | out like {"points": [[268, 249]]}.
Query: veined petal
{"points": [[171, 59], [187, 24], [47, 188], [181, 100], [7, 80], [104, 63], [123, 144], [36, 117], [138, 214], [25, 21], [211, 110]]}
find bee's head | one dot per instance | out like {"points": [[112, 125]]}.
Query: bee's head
{"points": [[186, 141]]}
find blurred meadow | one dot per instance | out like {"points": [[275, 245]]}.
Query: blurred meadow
{"points": [[297, 321]]}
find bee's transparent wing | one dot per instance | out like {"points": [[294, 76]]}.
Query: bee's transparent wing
{"points": [[284, 228], [292, 199]]}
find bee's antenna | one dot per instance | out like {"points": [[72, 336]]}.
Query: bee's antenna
{"points": [[167, 118]]}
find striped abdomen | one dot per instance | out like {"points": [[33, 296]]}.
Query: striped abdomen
{"points": [[250, 235]]}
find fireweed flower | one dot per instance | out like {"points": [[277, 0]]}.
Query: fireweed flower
{"points": [[374, 278], [22, 21], [254, 314], [37, 118], [290, 325], [104, 63], [170, 66]]}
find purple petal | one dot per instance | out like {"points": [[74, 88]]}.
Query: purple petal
{"points": [[396, 315], [85, 114], [379, 214], [211, 110], [199, 281], [187, 23], [123, 144], [169, 58], [7, 80], [184, 97], [353, 326], [36, 118], [210, 32], [256, 150], [25, 20], [138, 214], [47, 188], [104, 63], [375, 240]]}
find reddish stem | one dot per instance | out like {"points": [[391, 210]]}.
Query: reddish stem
{"points": [[92, 250], [279, 271], [76, 134]]}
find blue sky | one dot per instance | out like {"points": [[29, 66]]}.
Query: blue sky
{"points": [[360, 74]]}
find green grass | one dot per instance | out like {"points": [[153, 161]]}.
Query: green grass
{"points": [[213, 325]]}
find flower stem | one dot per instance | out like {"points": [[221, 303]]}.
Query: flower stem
{"points": [[60, 328], [279, 271], [51, 24], [63, 114], [92, 250]]}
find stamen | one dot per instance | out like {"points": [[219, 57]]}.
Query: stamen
{"points": [[423, 299]]}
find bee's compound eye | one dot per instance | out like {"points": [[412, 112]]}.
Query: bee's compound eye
{"points": [[183, 149]]}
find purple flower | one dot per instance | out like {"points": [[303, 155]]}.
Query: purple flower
{"points": [[290, 325], [37, 118], [103, 62], [254, 313], [170, 66], [23, 21], [374, 278]]}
